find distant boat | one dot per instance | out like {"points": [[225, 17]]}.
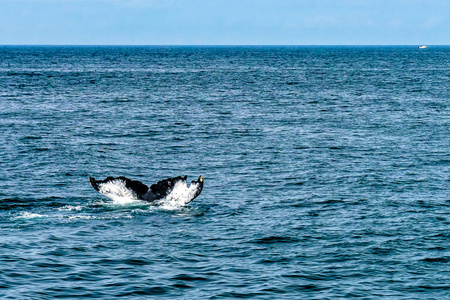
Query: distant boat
{"points": [[422, 47]]}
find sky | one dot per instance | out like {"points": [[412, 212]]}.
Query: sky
{"points": [[224, 22]]}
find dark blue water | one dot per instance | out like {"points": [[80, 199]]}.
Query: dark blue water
{"points": [[326, 172]]}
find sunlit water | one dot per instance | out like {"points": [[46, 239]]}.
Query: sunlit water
{"points": [[326, 172]]}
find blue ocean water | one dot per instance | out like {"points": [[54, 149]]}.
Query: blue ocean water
{"points": [[326, 172]]}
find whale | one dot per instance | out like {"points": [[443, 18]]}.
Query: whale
{"points": [[172, 189]]}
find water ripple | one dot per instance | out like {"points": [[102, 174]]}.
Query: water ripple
{"points": [[326, 172]]}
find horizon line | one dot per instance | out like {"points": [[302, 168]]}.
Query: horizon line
{"points": [[224, 45]]}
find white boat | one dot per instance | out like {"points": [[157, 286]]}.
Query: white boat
{"points": [[422, 47]]}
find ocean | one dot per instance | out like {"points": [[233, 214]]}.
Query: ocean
{"points": [[326, 172]]}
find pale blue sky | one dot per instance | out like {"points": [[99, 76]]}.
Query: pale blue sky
{"points": [[225, 22]]}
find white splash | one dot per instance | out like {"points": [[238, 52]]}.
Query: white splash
{"points": [[86, 217], [71, 208], [29, 215], [117, 191]]}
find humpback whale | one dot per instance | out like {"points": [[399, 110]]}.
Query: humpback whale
{"points": [[171, 188]]}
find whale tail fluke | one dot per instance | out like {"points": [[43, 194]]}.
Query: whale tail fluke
{"points": [[174, 189]]}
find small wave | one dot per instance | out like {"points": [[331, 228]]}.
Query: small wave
{"points": [[275, 239], [30, 215], [71, 208], [88, 217], [445, 259], [188, 277]]}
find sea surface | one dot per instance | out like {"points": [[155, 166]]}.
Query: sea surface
{"points": [[327, 172]]}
